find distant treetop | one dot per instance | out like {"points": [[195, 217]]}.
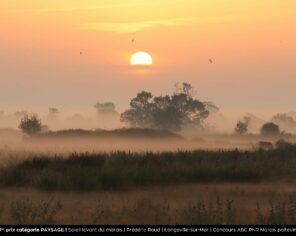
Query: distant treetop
{"points": [[270, 128], [105, 108], [167, 112]]}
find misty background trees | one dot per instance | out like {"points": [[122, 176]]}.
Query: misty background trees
{"points": [[286, 121], [241, 127], [167, 112], [270, 129], [30, 124], [53, 112], [107, 108], [107, 115], [180, 111]]}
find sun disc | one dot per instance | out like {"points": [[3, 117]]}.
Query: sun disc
{"points": [[141, 59]]}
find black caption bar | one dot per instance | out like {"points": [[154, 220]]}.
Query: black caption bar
{"points": [[147, 229]]}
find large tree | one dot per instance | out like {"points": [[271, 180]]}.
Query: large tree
{"points": [[140, 112], [166, 112]]}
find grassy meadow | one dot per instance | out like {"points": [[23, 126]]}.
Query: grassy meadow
{"points": [[137, 112], [125, 170], [228, 186], [194, 204]]}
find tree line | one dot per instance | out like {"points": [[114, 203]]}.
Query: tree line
{"points": [[169, 112]]}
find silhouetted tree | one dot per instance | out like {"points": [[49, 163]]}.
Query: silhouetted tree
{"points": [[140, 112], [105, 108], [166, 112], [165, 115], [270, 128], [241, 127], [184, 88], [30, 124]]}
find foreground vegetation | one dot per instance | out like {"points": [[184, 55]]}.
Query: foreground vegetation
{"points": [[218, 212], [185, 187], [125, 170], [220, 204]]}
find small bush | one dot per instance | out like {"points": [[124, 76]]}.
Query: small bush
{"points": [[270, 129], [30, 124]]}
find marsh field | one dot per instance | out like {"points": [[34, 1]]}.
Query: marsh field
{"points": [[79, 177], [134, 112]]}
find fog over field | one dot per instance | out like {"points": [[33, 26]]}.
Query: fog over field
{"points": [[117, 164], [137, 112], [218, 134]]}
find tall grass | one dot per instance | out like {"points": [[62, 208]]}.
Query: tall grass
{"points": [[278, 213], [145, 211], [23, 211], [121, 170], [217, 213]]}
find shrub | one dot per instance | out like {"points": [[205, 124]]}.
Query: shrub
{"points": [[30, 124], [270, 129]]}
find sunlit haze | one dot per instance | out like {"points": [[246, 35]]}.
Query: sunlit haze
{"points": [[148, 116], [141, 58], [72, 53]]}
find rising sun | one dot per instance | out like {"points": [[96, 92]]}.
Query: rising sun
{"points": [[141, 59]]}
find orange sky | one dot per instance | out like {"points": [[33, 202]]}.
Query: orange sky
{"points": [[252, 44]]}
